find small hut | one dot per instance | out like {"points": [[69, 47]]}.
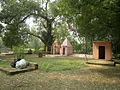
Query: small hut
{"points": [[56, 47], [66, 48], [102, 50]]}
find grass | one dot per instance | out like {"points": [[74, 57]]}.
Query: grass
{"points": [[58, 64], [90, 78], [50, 64], [4, 63]]}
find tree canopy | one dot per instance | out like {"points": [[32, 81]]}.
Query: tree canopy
{"points": [[14, 14], [90, 19], [93, 19]]}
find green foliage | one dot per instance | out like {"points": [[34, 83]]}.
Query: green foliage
{"points": [[34, 42], [14, 38], [40, 10], [82, 48], [116, 56], [61, 31], [40, 54], [10, 9], [93, 19], [76, 46], [29, 51], [3, 49], [54, 9], [45, 20], [1, 29], [13, 14], [19, 52]]}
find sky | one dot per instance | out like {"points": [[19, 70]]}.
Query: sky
{"points": [[30, 22]]}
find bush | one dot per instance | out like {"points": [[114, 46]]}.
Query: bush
{"points": [[40, 54], [29, 51], [19, 52], [116, 56]]}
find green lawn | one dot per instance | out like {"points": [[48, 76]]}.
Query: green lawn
{"points": [[50, 64], [58, 64], [4, 63]]}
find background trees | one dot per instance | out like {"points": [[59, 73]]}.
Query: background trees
{"points": [[45, 20], [12, 16], [93, 19]]}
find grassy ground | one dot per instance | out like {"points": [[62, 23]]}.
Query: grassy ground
{"points": [[49, 64], [4, 63], [58, 64], [6, 60], [84, 78]]}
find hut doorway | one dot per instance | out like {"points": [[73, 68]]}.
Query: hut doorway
{"points": [[63, 51], [101, 52]]}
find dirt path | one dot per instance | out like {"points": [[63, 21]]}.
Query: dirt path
{"points": [[89, 78]]}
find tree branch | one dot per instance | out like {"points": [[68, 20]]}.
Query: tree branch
{"points": [[35, 36], [24, 18]]}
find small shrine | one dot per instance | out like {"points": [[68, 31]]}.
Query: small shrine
{"points": [[102, 50], [56, 47], [66, 48]]}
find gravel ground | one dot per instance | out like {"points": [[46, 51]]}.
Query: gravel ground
{"points": [[88, 78]]}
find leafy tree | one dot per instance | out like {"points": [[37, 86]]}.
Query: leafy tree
{"points": [[61, 31], [42, 10], [19, 52], [93, 19], [1, 28], [45, 20], [13, 15], [34, 42], [14, 37]]}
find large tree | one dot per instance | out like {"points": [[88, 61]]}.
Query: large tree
{"points": [[13, 15], [15, 12], [46, 22], [93, 19]]}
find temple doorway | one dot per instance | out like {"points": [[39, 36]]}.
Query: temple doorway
{"points": [[101, 52]]}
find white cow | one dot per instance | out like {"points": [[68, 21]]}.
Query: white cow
{"points": [[21, 64]]}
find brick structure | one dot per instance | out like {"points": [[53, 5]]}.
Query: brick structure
{"points": [[56, 47], [66, 48], [102, 50]]}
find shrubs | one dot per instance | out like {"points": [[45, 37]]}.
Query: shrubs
{"points": [[40, 54], [37, 52], [19, 52], [29, 51], [116, 56]]}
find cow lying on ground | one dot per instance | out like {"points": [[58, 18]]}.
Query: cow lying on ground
{"points": [[19, 63]]}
